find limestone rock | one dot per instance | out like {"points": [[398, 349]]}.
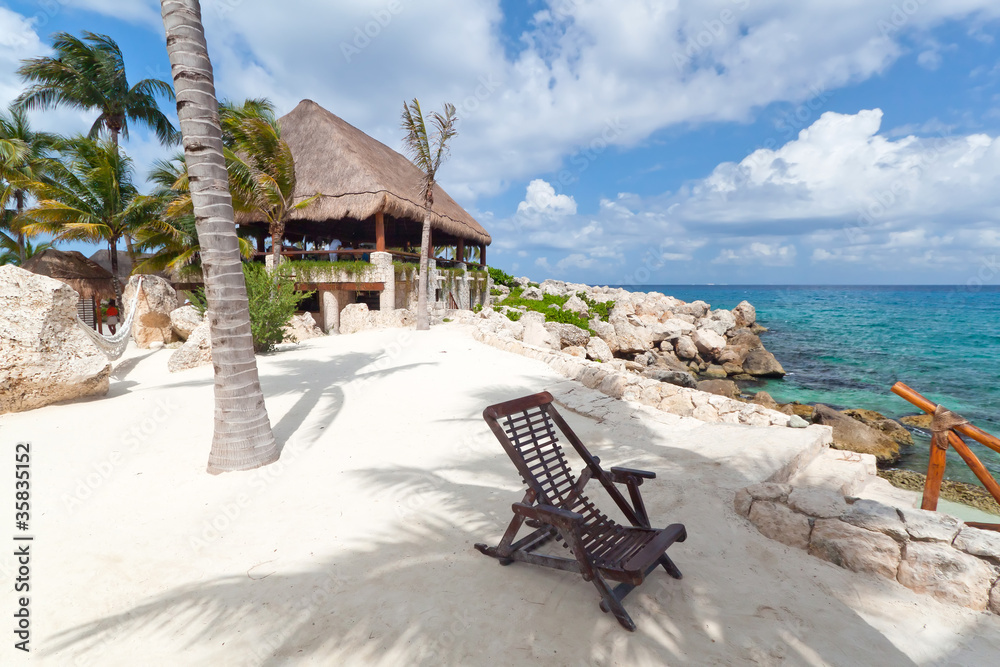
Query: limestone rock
{"points": [[708, 342], [764, 399], [995, 598], [630, 337], [918, 421], [725, 388], [301, 327], [872, 515], [606, 332], [532, 293], [795, 421], [855, 548], [577, 305], [354, 318], [184, 320], [761, 363], [575, 351], [44, 357], [817, 502], [685, 347], [678, 378], [537, 335], [946, 573], [152, 316], [780, 523], [696, 309], [400, 318], [568, 334], [979, 542], [925, 525], [878, 421], [744, 314], [597, 349], [854, 436], [196, 350], [769, 491], [715, 372], [744, 338]]}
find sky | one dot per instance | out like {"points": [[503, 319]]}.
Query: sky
{"points": [[636, 141]]}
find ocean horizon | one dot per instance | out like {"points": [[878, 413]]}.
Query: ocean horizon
{"points": [[846, 345]]}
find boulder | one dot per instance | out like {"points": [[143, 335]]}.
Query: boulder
{"points": [[709, 343], [696, 309], [855, 548], [725, 388], [598, 350], [852, 435], [946, 573], [679, 378], [575, 351], [152, 323], [978, 542], [817, 502], [44, 356], [537, 335], [872, 515], [532, 293], [577, 305], [685, 348], [761, 363], [744, 314], [715, 372], [354, 318], [764, 399], [184, 320], [301, 327], [780, 523], [553, 287], [196, 350], [631, 339], [400, 318], [606, 332], [928, 526], [745, 339], [568, 334], [890, 427], [918, 421]]}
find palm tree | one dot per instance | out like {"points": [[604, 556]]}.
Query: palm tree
{"points": [[89, 73], [242, 437], [18, 256], [427, 153], [89, 195], [23, 159], [261, 167]]}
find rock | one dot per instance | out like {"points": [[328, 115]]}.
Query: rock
{"points": [[744, 314], [152, 315], [725, 317], [539, 336], [763, 398], [715, 326], [577, 305], [708, 342], [927, 526], [532, 293], [669, 362], [732, 355], [575, 351], [959, 492], [696, 309], [553, 287], [568, 334], [890, 427], [644, 358], [679, 378], [761, 363], [44, 356], [922, 420], [354, 318], [715, 372], [995, 598], [769, 491], [780, 523], [732, 369], [184, 320], [742, 502], [301, 327], [800, 409], [872, 515], [400, 318], [685, 348], [605, 332], [978, 542], [631, 339], [797, 422], [598, 350], [852, 435], [946, 573], [725, 388], [855, 548], [745, 339], [196, 350], [817, 502]]}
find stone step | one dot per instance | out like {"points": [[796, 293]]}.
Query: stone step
{"points": [[844, 472], [803, 458]]}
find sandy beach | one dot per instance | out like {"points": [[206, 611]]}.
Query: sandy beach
{"points": [[356, 548]]}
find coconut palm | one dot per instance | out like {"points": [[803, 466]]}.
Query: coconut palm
{"points": [[427, 152], [23, 159], [242, 437], [89, 195], [261, 167], [19, 255], [89, 74]]}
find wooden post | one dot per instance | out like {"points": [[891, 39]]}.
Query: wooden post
{"points": [[460, 250], [379, 232], [482, 254], [935, 473], [975, 465], [968, 430], [97, 314], [261, 237]]}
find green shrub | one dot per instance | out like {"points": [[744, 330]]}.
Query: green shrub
{"points": [[501, 278], [199, 300], [514, 315], [545, 306], [273, 301], [602, 310]]}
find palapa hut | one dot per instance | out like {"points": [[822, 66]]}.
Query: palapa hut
{"points": [[90, 280], [370, 199]]}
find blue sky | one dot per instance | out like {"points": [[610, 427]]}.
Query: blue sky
{"points": [[656, 142]]}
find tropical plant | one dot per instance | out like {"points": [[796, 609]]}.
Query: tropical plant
{"points": [[23, 159], [501, 278], [273, 301], [89, 195], [242, 437], [19, 255], [261, 167], [427, 152], [89, 74]]}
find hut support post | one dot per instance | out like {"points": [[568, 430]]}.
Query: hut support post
{"points": [[460, 250], [97, 314], [482, 254], [379, 232]]}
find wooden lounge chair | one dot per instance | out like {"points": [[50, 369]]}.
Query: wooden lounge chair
{"points": [[556, 507]]}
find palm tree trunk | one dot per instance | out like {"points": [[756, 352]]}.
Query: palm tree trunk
{"points": [[113, 246], [277, 236], [19, 204], [423, 316], [243, 439]]}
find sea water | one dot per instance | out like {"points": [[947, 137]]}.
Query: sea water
{"points": [[845, 346]]}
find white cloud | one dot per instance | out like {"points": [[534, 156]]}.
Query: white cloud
{"points": [[758, 253], [541, 199], [18, 40]]}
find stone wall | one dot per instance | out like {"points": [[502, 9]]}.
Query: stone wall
{"points": [[925, 551]]}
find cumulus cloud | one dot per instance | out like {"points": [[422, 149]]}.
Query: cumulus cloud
{"points": [[758, 253], [541, 199], [18, 40]]}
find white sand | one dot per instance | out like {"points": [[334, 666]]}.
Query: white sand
{"points": [[356, 548]]}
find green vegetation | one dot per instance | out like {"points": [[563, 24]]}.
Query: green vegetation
{"points": [[273, 301], [501, 278], [601, 310], [306, 270], [514, 315], [544, 306]]}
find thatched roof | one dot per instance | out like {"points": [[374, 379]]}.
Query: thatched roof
{"points": [[103, 258], [358, 176], [72, 268]]}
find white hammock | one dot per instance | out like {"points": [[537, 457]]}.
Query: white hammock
{"points": [[114, 346]]}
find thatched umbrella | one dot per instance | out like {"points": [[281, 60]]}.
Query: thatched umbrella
{"points": [[89, 280], [360, 182]]}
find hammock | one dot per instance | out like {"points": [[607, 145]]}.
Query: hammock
{"points": [[114, 346]]}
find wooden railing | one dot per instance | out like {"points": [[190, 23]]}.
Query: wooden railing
{"points": [[357, 253], [941, 438]]}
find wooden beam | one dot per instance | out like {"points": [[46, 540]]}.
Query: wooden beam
{"points": [[350, 287], [379, 232], [482, 254], [460, 251]]}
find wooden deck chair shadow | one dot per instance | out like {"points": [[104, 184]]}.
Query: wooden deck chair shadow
{"points": [[556, 507]]}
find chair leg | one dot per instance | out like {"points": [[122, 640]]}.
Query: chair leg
{"points": [[670, 567], [610, 602]]}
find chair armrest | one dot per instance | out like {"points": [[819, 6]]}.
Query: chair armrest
{"points": [[623, 475], [546, 513]]}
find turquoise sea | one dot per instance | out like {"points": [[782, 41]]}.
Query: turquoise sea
{"points": [[847, 345]]}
